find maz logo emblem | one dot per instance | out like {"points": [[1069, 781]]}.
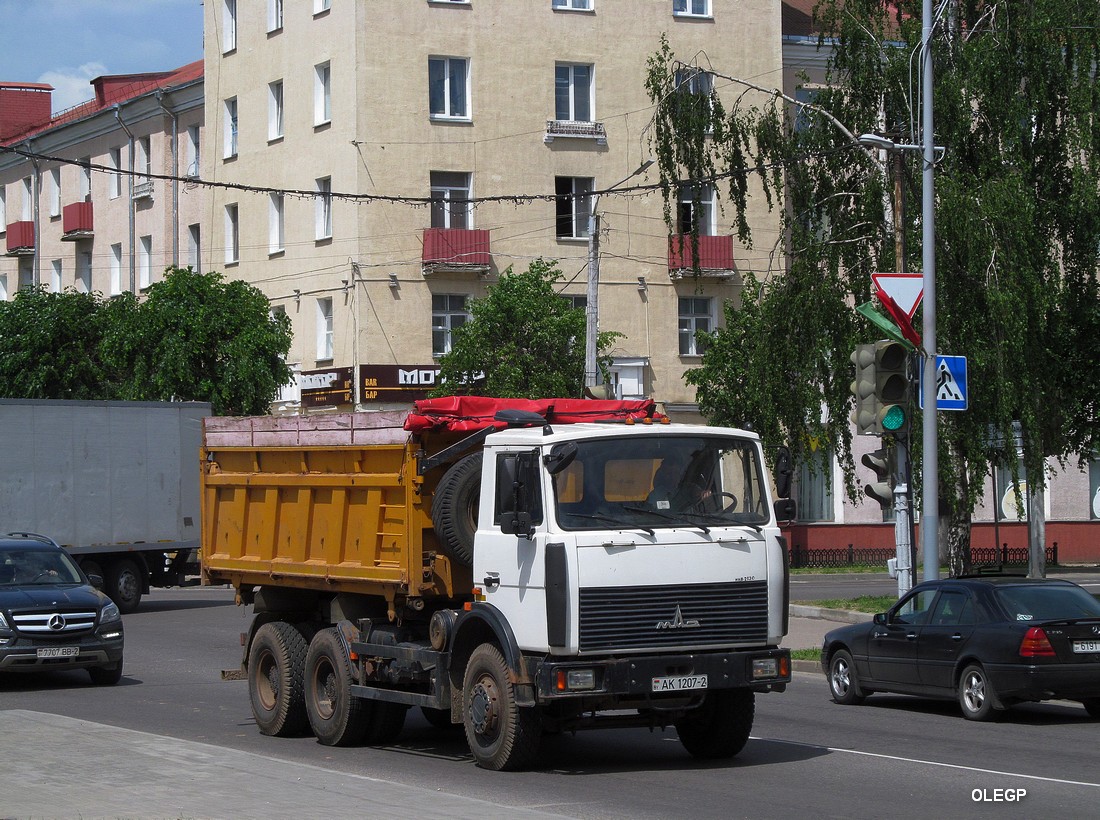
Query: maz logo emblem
{"points": [[679, 622]]}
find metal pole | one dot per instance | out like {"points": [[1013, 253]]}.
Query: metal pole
{"points": [[901, 520], [930, 500], [592, 307]]}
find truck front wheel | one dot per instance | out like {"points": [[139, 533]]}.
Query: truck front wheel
{"points": [[720, 727], [501, 734], [337, 718], [276, 662], [124, 583]]}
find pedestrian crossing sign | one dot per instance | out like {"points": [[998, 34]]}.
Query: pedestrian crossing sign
{"points": [[951, 387]]}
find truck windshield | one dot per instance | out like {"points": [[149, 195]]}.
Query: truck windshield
{"points": [[656, 482]]}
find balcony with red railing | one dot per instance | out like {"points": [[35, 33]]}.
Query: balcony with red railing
{"points": [[456, 249], [715, 256], [76, 222], [20, 238]]}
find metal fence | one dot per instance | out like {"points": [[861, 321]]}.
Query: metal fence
{"points": [[803, 558]]}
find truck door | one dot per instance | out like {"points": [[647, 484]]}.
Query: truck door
{"points": [[509, 549]]}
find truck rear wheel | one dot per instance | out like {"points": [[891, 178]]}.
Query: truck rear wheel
{"points": [[720, 727], [337, 718], [454, 508], [276, 663], [501, 734], [123, 584]]}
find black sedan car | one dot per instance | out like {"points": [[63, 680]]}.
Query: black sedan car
{"points": [[51, 616], [987, 641]]}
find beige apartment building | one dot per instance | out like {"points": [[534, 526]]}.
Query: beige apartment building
{"points": [[390, 162], [82, 201]]}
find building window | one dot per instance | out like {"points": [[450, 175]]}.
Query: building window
{"points": [[576, 301], [324, 329], [229, 26], [322, 94], [145, 261], [114, 160], [55, 276], [450, 193], [275, 110], [275, 225], [448, 314], [28, 199], [55, 192], [116, 269], [574, 206], [814, 493], [573, 92], [1011, 492], [321, 6], [229, 142], [448, 87], [695, 317], [144, 157], [324, 208], [86, 178], [691, 8], [193, 153], [26, 273], [3, 209], [274, 15], [232, 234], [803, 118], [574, 5], [194, 247], [698, 214], [84, 272]]}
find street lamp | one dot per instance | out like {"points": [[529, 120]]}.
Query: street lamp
{"points": [[930, 498], [592, 307]]}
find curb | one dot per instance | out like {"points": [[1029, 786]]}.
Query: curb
{"points": [[845, 616]]}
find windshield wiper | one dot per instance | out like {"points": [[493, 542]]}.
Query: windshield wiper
{"points": [[725, 519], [609, 519], [679, 520]]}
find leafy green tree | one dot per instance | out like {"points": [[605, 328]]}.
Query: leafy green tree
{"points": [[523, 340], [199, 337], [50, 345], [1017, 229], [195, 337]]}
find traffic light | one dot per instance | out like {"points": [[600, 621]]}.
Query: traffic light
{"points": [[892, 388], [864, 388], [884, 464]]}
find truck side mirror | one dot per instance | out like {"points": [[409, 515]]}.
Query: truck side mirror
{"points": [[783, 471], [517, 493]]}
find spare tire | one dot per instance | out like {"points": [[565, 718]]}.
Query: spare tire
{"points": [[454, 508]]}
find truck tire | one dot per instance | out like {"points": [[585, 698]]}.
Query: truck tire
{"points": [[501, 734], [337, 718], [123, 584], [719, 728], [454, 508], [276, 665]]}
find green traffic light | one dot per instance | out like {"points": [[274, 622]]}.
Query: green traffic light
{"points": [[893, 419]]}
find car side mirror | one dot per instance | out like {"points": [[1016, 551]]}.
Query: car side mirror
{"points": [[96, 580], [880, 619]]}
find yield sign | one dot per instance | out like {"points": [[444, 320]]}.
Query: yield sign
{"points": [[907, 289]]}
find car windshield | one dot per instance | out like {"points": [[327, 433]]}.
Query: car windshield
{"points": [[23, 567], [662, 481], [1046, 603]]}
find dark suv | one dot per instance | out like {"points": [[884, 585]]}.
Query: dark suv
{"points": [[51, 616]]}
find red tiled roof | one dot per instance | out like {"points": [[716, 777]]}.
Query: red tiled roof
{"points": [[109, 90]]}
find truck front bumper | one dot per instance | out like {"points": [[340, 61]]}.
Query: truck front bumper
{"points": [[762, 670]]}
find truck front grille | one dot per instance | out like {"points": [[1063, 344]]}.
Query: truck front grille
{"points": [[53, 622], [698, 615]]}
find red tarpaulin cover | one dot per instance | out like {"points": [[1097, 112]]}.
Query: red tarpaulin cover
{"points": [[469, 413]]}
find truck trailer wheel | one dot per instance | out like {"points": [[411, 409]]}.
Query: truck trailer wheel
{"points": [[501, 734], [720, 727], [276, 663], [454, 508], [123, 584], [337, 718]]}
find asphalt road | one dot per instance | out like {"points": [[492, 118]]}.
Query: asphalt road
{"points": [[894, 756]]}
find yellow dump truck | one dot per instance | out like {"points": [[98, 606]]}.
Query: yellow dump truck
{"points": [[512, 566]]}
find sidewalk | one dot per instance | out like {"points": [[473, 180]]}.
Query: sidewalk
{"points": [[808, 627]]}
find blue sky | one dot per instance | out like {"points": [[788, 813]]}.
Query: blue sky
{"points": [[68, 42]]}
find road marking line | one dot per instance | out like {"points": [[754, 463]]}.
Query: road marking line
{"points": [[933, 763]]}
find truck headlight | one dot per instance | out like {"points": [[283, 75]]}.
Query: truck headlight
{"points": [[572, 680]]}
